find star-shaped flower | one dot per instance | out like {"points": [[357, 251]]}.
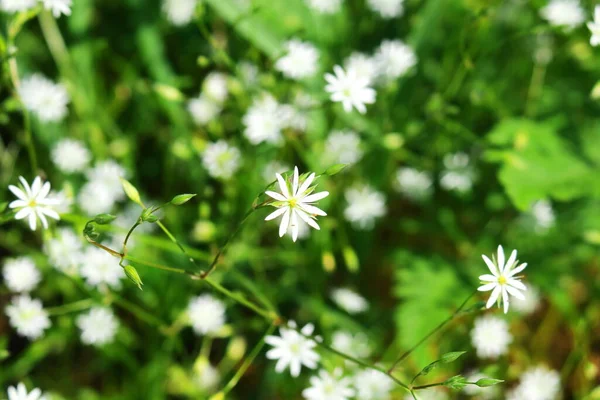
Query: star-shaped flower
{"points": [[33, 202]]}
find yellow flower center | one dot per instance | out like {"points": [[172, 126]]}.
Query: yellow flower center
{"points": [[32, 203], [293, 203], [502, 280]]}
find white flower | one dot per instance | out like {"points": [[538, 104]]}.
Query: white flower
{"points": [[215, 87], [292, 349], [206, 314], [363, 66], [58, 7], [108, 174], [12, 6], [64, 201], [33, 202], [206, 376], [98, 326], [364, 206], [249, 72], [46, 99], [349, 89], [301, 60], [70, 155], [27, 316], [296, 204], [490, 336], [20, 391], [529, 303], [373, 385], [100, 268], [458, 174], [354, 345], [272, 168], [543, 215], [325, 6], [96, 198], [432, 393], [326, 386], [350, 301], [179, 12], [292, 117], [482, 393], [263, 121], [20, 274], [567, 13], [503, 280], [414, 184], [594, 27], [221, 160], [394, 59], [203, 109], [387, 8], [343, 147], [65, 251], [539, 383]]}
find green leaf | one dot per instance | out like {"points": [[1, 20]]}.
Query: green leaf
{"points": [[151, 218], [335, 169], [103, 219], [182, 199], [456, 382], [451, 357], [3, 206], [485, 382], [133, 275], [131, 192]]}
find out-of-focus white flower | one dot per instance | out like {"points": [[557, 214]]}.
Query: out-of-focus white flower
{"points": [[293, 350], [109, 173], [64, 201], [373, 385], [20, 274], [458, 174], [207, 314], [325, 6], [12, 6], [99, 268], [363, 66], [295, 203], [215, 87], [203, 109], [490, 336], [249, 72], [350, 89], [482, 393], [272, 168], [300, 61], [350, 301], [365, 205], [387, 8], [58, 7], [292, 117], [221, 160], [20, 391], [65, 251], [503, 280], [44, 98], [326, 386], [206, 376], [27, 316], [543, 215], [33, 202], [263, 121], [414, 184], [394, 58], [529, 303], [179, 12], [70, 155], [594, 27], [539, 383], [96, 198], [429, 394], [354, 345], [98, 326], [343, 147], [567, 13]]}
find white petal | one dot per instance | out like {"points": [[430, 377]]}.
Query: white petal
{"points": [[276, 213], [315, 197], [23, 213], [490, 265], [285, 222], [505, 299], [295, 182], [44, 191], [517, 270], [36, 186], [500, 258], [26, 187], [275, 195], [515, 292], [49, 212], [306, 183], [308, 220], [283, 186], [32, 220], [42, 218], [18, 192], [488, 277], [516, 284], [312, 210], [487, 287], [294, 226], [18, 204], [493, 297]]}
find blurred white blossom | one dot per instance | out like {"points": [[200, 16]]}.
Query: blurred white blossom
{"points": [[373, 385], [20, 274], [293, 350], [365, 205], [529, 303], [100, 268], [27, 316], [538, 383], [567, 13], [490, 336], [355, 345], [46, 99], [179, 12], [364, 66], [350, 89], [349, 300], [58, 7], [70, 155], [98, 326], [387, 8], [594, 27], [394, 58], [263, 121], [108, 174], [203, 109], [459, 174], [215, 87], [19, 392], [221, 160], [329, 386], [207, 314], [414, 184], [325, 6], [300, 61], [12, 6], [343, 147], [64, 251], [543, 215]]}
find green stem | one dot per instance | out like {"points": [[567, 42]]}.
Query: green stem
{"points": [[138, 312], [158, 266], [71, 307], [174, 240]]}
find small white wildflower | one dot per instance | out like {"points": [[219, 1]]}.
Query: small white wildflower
{"points": [[100, 268], [349, 89], [109, 173], [295, 202], [293, 117], [343, 147], [20, 274], [33, 202], [300, 61], [364, 67], [387, 8], [65, 251], [325, 6], [20, 393], [70, 155], [12, 6], [365, 205], [490, 336], [529, 303], [272, 168], [482, 393], [594, 27], [206, 376], [215, 87], [263, 121], [354, 345], [414, 184], [58, 7], [63, 199], [98, 326], [350, 301], [373, 385], [293, 350], [179, 12], [221, 160], [329, 386], [203, 109], [543, 215], [44, 98], [458, 174], [394, 59], [207, 314], [96, 198], [503, 280], [539, 383], [28, 316], [567, 13]]}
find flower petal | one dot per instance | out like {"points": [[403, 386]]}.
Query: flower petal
{"points": [[283, 186], [490, 265], [516, 284], [18, 192], [275, 195], [515, 292], [308, 219], [276, 213], [517, 270], [500, 258], [285, 222], [295, 182], [505, 299], [312, 210], [488, 277], [487, 287], [493, 297], [306, 183], [315, 197]]}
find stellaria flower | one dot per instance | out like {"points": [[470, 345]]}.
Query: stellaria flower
{"points": [[20, 274], [46, 99], [20, 393], [490, 336], [98, 326], [594, 27], [350, 89], [325, 6], [207, 314], [293, 349], [566, 13], [300, 61], [58, 7], [329, 386], [28, 316], [33, 202]]}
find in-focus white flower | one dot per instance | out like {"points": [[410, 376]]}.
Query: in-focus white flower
{"points": [[326, 386], [503, 281], [58, 7], [65, 251], [221, 160], [108, 174], [20, 391], [33, 202], [20, 274], [96, 198], [414, 184], [98, 326], [300, 61], [263, 121], [100, 268], [207, 314], [432, 393], [490, 336], [365, 205], [373, 385], [394, 58], [293, 350], [539, 383], [343, 147], [363, 66], [179, 12], [567, 13], [215, 87], [349, 89], [458, 174], [350, 301], [543, 215], [295, 203], [12, 6], [529, 303], [27, 316], [387, 8], [203, 109], [70, 155], [325, 6], [594, 27], [482, 393], [354, 345], [44, 98]]}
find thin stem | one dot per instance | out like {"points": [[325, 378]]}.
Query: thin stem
{"points": [[137, 223], [428, 386], [71, 307], [159, 266], [174, 240], [138, 312]]}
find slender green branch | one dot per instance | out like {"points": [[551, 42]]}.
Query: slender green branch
{"points": [[174, 240], [71, 307], [159, 266], [138, 311]]}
